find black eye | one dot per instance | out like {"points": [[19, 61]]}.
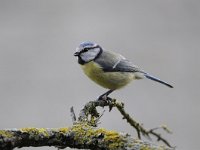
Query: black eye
{"points": [[85, 49]]}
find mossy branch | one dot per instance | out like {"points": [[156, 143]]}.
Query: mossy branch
{"points": [[83, 134], [80, 136], [90, 109]]}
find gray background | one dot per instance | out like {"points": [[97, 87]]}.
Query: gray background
{"points": [[40, 79]]}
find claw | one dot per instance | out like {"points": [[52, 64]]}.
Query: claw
{"points": [[105, 96]]}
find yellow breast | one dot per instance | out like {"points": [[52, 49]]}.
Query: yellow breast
{"points": [[109, 80]]}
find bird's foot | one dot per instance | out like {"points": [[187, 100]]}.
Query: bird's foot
{"points": [[104, 98], [106, 101]]}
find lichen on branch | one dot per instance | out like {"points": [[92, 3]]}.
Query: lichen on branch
{"points": [[80, 135], [84, 133], [90, 109]]}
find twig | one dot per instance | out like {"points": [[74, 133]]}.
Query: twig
{"points": [[73, 115], [90, 109]]}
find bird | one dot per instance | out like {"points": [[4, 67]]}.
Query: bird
{"points": [[109, 69]]}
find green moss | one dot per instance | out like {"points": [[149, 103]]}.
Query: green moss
{"points": [[36, 131], [6, 134], [111, 138], [63, 130], [81, 131], [85, 133]]}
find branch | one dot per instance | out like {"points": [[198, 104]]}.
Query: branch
{"points": [[90, 109], [84, 134], [80, 136]]}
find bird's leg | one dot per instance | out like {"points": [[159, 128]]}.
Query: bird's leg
{"points": [[105, 95]]}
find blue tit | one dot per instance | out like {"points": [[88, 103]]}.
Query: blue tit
{"points": [[108, 69]]}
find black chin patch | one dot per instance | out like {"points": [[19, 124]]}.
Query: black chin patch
{"points": [[80, 61]]}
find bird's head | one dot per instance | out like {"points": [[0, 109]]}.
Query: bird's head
{"points": [[87, 51]]}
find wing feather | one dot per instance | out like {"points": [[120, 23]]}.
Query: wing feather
{"points": [[113, 62]]}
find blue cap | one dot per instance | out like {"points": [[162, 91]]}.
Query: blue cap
{"points": [[87, 44]]}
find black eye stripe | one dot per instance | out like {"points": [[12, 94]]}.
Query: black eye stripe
{"points": [[84, 50], [88, 48]]}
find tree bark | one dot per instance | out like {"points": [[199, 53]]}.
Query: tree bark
{"points": [[80, 135]]}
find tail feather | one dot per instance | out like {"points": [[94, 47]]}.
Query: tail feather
{"points": [[157, 80]]}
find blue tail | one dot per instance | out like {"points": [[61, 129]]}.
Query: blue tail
{"points": [[157, 80]]}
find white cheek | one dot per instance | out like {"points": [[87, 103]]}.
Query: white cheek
{"points": [[90, 55], [87, 56]]}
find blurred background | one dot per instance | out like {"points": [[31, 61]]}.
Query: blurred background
{"points": [[40, 78]]}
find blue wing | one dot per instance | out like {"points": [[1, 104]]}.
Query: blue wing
{"points": [[113, 62]]}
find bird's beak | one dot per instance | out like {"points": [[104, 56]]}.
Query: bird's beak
{"points": [[76, 53]]}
